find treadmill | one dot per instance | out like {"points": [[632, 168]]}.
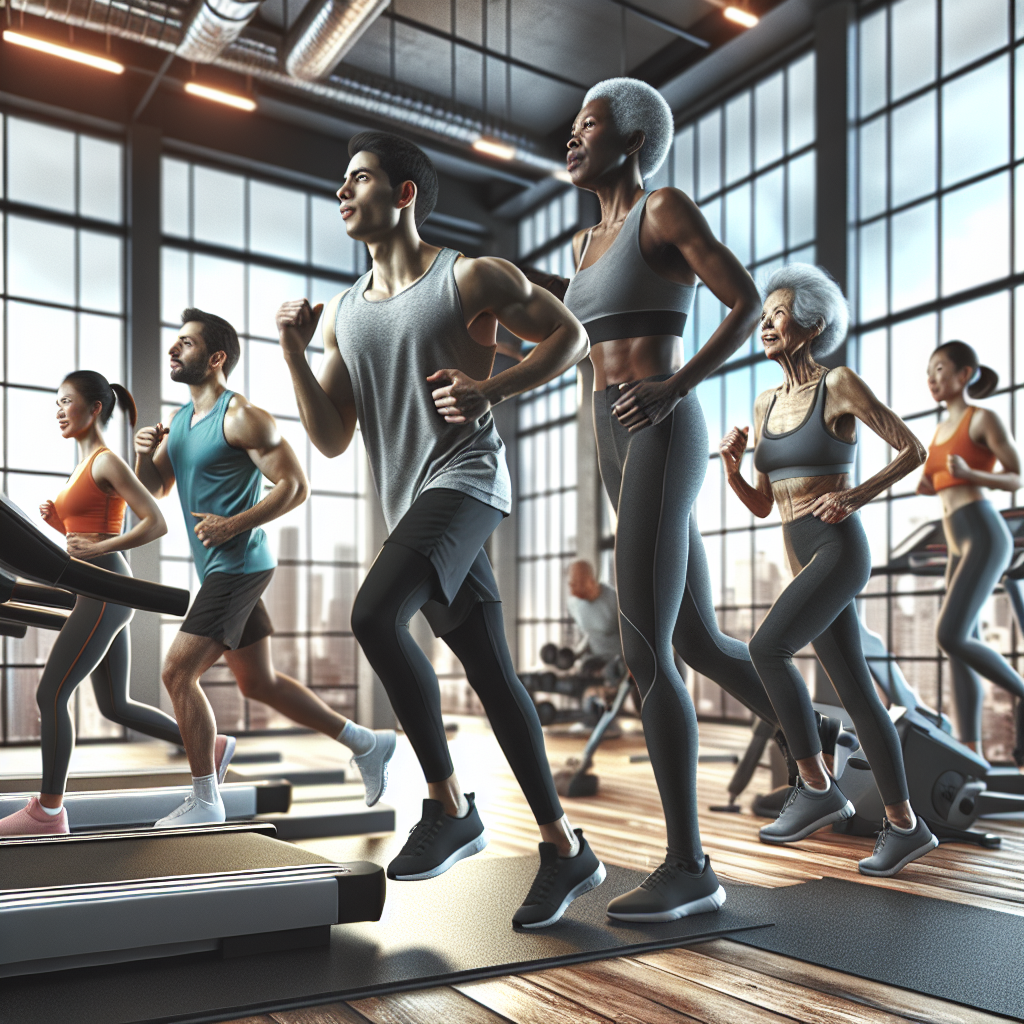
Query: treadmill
{"points": [[79, 901], [108, 897]]}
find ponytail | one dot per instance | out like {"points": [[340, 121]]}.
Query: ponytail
{"points": [[94, 387], [984, 380], [125, 403]]}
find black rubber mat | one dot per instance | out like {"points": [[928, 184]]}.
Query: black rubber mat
{"points": [[950, 950], [450, 928]]}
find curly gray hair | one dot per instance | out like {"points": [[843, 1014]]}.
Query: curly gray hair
{"points": [[634, 105], [817, 302]]}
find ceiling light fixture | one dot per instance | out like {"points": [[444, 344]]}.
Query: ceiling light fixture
{"points": [[494, 148], [741, 16], [102, 63], [219, 96]]}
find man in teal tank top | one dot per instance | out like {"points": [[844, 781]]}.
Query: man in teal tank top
{"points": [[217, 450]]}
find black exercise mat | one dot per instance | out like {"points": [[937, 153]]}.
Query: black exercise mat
{"points": [[454, 927], [950, 950]]}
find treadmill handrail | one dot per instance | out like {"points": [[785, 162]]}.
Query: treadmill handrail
{"points": [[266, 828]]}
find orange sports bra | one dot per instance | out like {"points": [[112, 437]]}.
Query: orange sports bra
{"points": [[959, 443], [82, 505]]}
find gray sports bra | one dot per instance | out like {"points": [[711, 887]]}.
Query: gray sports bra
{"points": [[806, 450], [619, 296]]}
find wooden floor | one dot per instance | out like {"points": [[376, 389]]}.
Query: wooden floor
{"points": [[718, 982]]}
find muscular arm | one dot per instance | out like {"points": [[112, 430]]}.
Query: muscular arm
{"points": [[849, 395], [759, 498], [673, 220], [530, 312], [256, 431], [992, 433], [112, 473], [152, 461], [326, 405]]}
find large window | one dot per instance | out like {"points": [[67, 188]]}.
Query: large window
{"points": [[937, 218], [238, 246], [62, 306]]}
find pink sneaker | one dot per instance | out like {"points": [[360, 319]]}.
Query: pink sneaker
{"points": [[223, 751], [32, 820]]}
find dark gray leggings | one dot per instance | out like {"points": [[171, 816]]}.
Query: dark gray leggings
{"points": [[980, 547], [95, 641], [664, 590], [819, 608]]}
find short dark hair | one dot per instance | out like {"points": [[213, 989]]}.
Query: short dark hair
{"points": [[218, 336], [401, 161]]}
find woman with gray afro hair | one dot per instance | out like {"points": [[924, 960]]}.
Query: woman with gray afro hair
{"points": [[817, 302], [805, 434], [637, 273], [636, 106]]}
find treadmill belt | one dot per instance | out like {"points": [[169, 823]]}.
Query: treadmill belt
{"points": [[454, 927], [33, 864], [953, 951]]}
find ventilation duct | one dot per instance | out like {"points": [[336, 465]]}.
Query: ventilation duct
{"points": [[215, 24], [160, 25], [325, 32]]}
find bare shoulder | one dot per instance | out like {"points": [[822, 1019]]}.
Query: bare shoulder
{"points": [[843, 381], [489, 277], [669, 201], [330, 317], [578, 241], [108, 468], [986, 422], [247, 425]]}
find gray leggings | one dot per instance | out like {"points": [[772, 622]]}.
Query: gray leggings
{"points": [[819, 608], [95, 641], [980, 547], [664, 590]]}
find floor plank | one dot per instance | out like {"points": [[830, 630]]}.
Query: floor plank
{"points": [[426, 1005], [519, 1000], [335, 1013]]}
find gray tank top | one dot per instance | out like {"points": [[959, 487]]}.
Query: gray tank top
{"points": [[619, 296], [806, 450], [390, 348]]}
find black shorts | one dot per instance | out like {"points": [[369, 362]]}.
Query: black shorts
{"points": [[450, 528], [229, 609]]}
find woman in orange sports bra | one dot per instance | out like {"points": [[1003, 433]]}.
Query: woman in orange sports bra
{"points": [[94, 640], [961, 463]]}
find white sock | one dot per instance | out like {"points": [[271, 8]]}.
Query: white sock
{"points": [[51, 811], [204, 787], [813, 789], [576, 847], [357, 738]]}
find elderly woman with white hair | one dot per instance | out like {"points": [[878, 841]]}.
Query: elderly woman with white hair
{"points": [[805, 441], [637, 273]]}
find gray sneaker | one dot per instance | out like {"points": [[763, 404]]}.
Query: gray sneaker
{"points": [[373, 765], [895, 850], [805, 812]]}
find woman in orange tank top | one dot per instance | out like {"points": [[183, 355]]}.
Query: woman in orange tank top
{"points": [[94, 639], [961, 463]]}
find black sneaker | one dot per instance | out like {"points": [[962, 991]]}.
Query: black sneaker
{"points": [[670, 893], [895, 850], [437, 842], [559, 881]]}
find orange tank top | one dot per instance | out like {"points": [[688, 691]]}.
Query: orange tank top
{"points": [[82, 505], [959, 443]]}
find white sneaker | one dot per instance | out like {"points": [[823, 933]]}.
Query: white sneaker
{"points": [[194, 812], [373, 765]]}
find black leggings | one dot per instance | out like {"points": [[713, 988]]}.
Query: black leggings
{"points": [[980, 547], [665, 601], [832, 564], [95, 641], [399, 583]]}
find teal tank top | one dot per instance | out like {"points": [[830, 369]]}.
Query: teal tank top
{"points": [[212, 476]]}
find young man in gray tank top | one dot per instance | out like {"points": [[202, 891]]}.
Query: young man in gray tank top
{"points": [[408, 352], [218, 448]]}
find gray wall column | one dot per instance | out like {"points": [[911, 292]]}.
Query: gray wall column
{"points": [[588, 474], [831, 45], [145, 366], [503, 543], [374, 708]]}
